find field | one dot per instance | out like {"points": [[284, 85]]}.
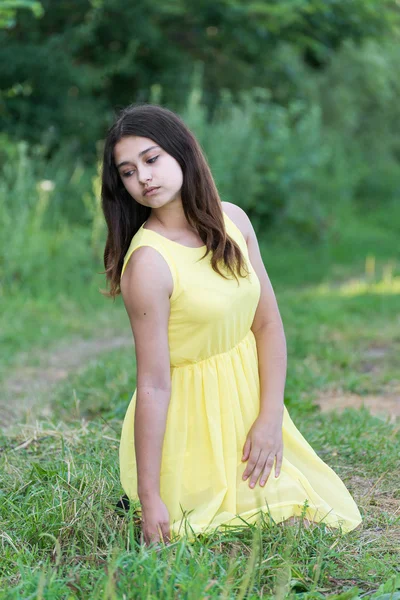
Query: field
{"points": [[68, 372]]}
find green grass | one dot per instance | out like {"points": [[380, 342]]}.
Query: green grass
{"points": [[63, 535], [42, 323], [358, 242], [60, 534]]}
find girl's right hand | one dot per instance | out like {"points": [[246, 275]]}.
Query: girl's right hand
{"points": [[155, 521]]}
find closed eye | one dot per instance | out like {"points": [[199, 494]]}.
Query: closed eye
{"points": [[151, 161]]}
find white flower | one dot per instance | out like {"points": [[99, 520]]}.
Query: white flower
{"points": [[46, 185]]}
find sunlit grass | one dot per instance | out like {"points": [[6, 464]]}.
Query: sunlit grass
{"points": [[388, 285]]}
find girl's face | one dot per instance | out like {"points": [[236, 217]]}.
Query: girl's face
{"points": [[142, 164]]}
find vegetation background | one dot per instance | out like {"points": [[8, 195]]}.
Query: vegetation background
{"points": [[296, 105]]}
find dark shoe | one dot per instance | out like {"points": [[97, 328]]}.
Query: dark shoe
{"points": [[122, 505]]}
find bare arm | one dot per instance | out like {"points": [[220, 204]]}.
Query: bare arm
{"points": [[270, 339], [264, 439], [267, 326], [146, 286]]}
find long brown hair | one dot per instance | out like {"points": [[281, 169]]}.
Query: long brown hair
{"points": [[200, 199]]}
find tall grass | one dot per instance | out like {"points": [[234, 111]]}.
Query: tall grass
{"points": [[42, 251], [63, 537], [50, 257]]}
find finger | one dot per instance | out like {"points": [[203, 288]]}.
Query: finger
{"points": [[278, 464], [152, 534], [150, 538], [258, 468], [253, 459], [165, 532], [246, 449], [267, 469]]}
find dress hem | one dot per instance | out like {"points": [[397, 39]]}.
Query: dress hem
{"points": [[264, 515]]}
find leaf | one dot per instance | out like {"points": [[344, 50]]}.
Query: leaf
{"points": [[42, 474], [388, 587], [352, 594]]}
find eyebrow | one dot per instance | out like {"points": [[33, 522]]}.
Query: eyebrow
{"points": [[127, 162]]}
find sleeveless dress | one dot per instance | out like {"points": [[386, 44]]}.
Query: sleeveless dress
{"points": [[215, 397]]}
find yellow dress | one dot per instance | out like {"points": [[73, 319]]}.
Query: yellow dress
{"points": [[214, 401]]}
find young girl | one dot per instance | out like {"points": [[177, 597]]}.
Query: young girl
{"points": [[206, 440]]}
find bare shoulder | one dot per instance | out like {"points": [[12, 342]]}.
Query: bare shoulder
{"points": [[146, 274], [239, 217], [145, 287]]}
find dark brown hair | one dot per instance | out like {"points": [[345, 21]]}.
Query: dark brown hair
{"points": [[200, 200]]}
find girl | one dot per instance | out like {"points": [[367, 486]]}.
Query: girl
{"points": [[206, 440]]}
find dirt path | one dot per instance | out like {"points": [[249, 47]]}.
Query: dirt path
{"points": [[26, 386], [384, 406]]}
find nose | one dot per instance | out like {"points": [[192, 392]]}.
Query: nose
{"points": [[144, 173]]}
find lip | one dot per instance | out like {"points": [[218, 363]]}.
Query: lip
{"points": [[150, 191]]}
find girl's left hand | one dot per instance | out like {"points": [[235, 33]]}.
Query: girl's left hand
{"points": [[263, 443]]}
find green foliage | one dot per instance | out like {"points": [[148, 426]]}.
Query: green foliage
{"points": [[38, 242], [292, 139], [306, 168], [390, 590], [8, 10], [304, 152], [303, 164], [359, 93], [63, 74]]}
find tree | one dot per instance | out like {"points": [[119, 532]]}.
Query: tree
{"points": [[63, 74], [8, 10]]}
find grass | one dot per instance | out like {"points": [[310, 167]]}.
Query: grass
{"points": [[60, 533], [64, 535]]}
